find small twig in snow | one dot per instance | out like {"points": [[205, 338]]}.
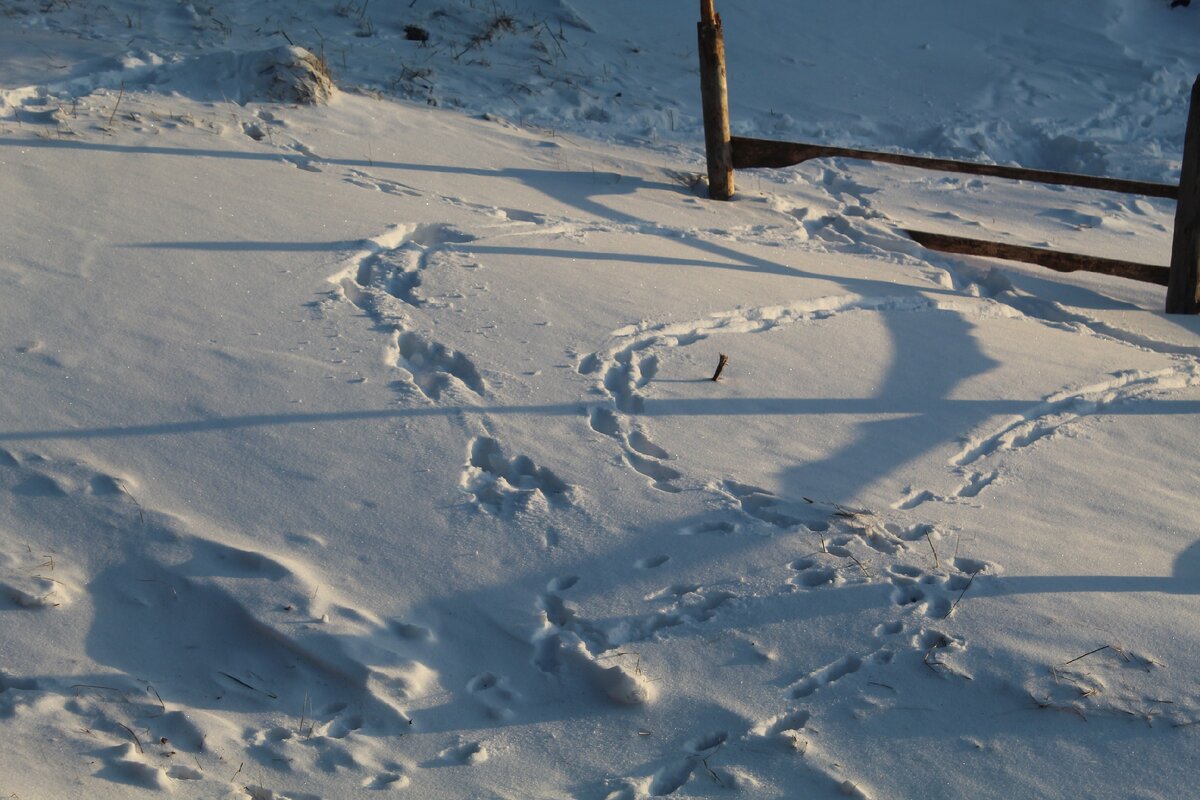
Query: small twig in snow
{"points": [[960, 594], [124, 698], [860, 565], [721, 362], [1085, 655], [159, 696], [136, 740], [271, 695], [118, 105], [937, 564]]}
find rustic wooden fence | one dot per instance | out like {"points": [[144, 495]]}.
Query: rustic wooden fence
{"points": [[727, 152]]}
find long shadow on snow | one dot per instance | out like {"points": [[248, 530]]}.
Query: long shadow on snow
{"points": [[879, 448], [179, 629], [913, 409], [855, 600], [499, 633], [915, 381]]}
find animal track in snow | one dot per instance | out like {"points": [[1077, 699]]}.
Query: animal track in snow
{"points": [[392, 778], [630, 363], [604, 421], [558, 645], [562, 584], [30, 579], [640, 453], [671, 778], [976, 483], [504, 486], [383, 281], [434, 367], [162, 588], [1068, 406], [592, 650], [827, 675], [914, 498], [718, 527], [494, 694], [627, 367], [39, 485], [889, 628], [642, 444], [393, 265], [760, 504], [16, 693], [680, 604], [811, 574], [398, 270], [410, 631], [366, 181], [778, 513], [659, 474], [971, 488], [464, 753], [629, 372], [922, 594]]}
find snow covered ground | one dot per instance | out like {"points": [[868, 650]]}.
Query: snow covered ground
{"points": [[369, 446]]}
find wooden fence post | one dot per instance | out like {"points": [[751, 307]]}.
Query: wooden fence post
{"points": [[1183, 287], [715, 98]]}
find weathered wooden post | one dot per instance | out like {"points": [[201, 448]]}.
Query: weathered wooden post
{"points": [[715, 98], [1183, 286]]}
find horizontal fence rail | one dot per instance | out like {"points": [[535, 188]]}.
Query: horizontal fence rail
{"points": [[726, 153], [1051, 259], [751, 153]]}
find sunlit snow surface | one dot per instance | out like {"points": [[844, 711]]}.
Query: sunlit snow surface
{"points": [[370, 445]]}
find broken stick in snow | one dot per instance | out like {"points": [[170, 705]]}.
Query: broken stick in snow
{"points": [[721, 362]]}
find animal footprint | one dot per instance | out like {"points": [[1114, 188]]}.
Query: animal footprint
{"points": [[827, 675], [395, 262], [410, 631], [503, 486], [889, 628], [977, 483], [642, 444], [562, 584], [604, 421], [811, 574], [914, 498], [393, 778], [908, 592], [493, 694], [465, 753], [790, 722], [672, 777], [660, 474], [341, 727], [433, 366], [720, 528]]}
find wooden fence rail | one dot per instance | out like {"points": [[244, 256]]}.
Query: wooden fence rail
{"points": [[751, 153], [1051, 259], [726, 153]]}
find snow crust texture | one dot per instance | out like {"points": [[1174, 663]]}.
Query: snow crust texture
{"points": [[358, 433]]}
